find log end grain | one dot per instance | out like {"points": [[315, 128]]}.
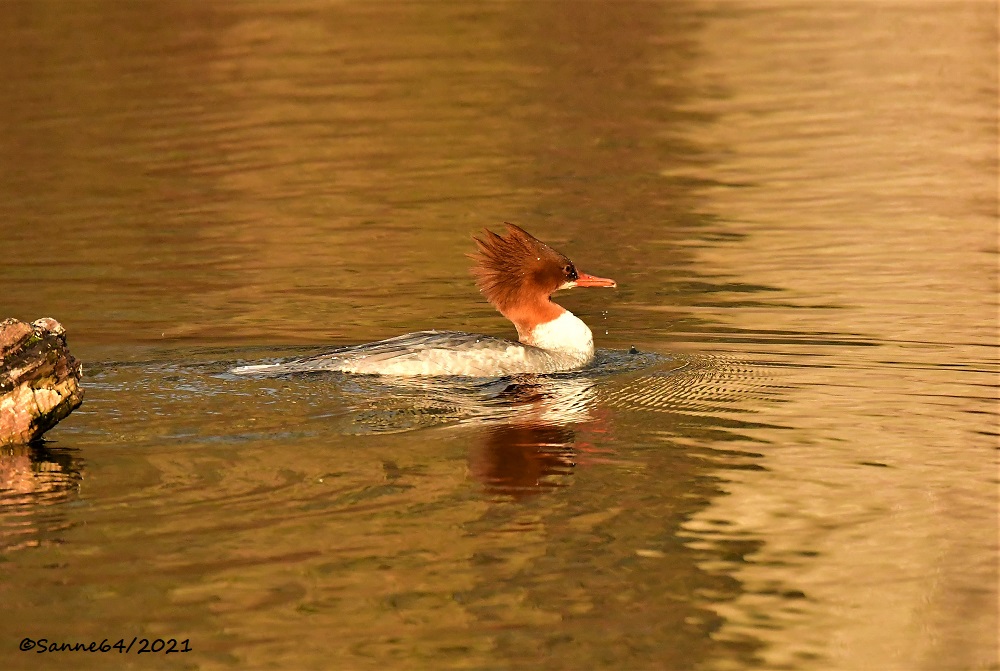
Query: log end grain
{"points": [[39, 379]]}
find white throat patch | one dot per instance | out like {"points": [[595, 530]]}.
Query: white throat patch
{"points": [[566, 333]]}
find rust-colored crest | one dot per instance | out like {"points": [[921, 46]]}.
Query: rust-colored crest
{"points": [[509, 268]]}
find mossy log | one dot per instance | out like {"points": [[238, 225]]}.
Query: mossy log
{"points": [[39, 379]]}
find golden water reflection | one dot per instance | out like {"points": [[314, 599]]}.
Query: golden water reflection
{"points": [[34, 480], [798, 198]]}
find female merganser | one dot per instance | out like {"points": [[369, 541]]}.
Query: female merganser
{"points": [[517, 274]]}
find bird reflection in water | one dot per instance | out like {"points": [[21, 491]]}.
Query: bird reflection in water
{"points": [[528, 432], [536, 446]]}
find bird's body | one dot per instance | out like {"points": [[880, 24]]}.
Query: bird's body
{"points": [[517, 274]]}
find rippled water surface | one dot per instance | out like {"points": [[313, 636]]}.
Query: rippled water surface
{"points": [[784, 456]]}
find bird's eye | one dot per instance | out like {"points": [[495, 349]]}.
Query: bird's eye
{"points": [[570, 272]]}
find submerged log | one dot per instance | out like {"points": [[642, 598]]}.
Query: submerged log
{"points": [[39, 379]]}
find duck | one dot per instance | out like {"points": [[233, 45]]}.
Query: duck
{"points": [[516, 273]]}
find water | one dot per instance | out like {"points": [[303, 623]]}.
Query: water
{"points": [[796, 470]]}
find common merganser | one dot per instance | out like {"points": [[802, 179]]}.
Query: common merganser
{"points": [[517, 274]]}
